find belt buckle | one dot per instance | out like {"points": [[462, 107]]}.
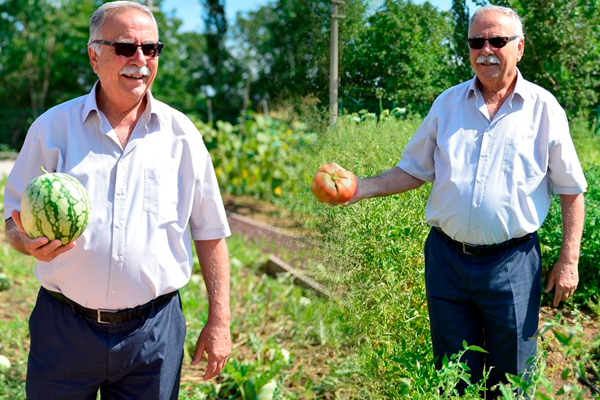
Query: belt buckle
{"points": [[99, 319], [464, 249]]}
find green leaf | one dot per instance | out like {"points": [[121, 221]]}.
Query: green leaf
{"points": [[561, 336], [266, 392], [477, 349]]}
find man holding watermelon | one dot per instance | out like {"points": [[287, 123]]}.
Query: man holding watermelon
{"points": [[495, 148], [108, 315]]}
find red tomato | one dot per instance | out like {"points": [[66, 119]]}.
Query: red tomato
{"points": [[333, 184]]}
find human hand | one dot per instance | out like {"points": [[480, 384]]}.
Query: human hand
{"points": [[358, 194], [215, 340], [564, 276], [40, 248]]}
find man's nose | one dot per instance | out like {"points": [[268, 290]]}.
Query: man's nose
{"points": [[487, 48], [138, 57]]}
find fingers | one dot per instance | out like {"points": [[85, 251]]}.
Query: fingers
{"points": [[62, 249], [216, 343], [40, 248], [222, 364], [213, 366], [562, 294], [16, 216], [212, 369], [550, 284], [558, 296], [198, 353], [43, 250]]}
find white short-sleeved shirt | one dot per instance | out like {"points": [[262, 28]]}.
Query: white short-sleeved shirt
{"points": [[493, 180], [147, 200]]}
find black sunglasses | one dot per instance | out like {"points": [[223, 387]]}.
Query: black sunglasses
{"points": [[129, 49], [496, 41]]}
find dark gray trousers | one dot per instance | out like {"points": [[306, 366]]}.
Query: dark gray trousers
{"points": [[491, 301], [72, 357]]}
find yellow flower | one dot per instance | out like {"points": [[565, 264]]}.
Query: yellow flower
{"points": [[278, 191]]}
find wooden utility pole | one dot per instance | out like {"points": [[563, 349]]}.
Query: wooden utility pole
{"points": [[334, 79]]}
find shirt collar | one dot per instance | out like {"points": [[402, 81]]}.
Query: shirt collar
{"points": [[472, 89], [152, 107], [90, 103], [520, 87]]}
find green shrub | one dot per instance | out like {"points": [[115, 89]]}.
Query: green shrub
{"points": [[257, 157]]}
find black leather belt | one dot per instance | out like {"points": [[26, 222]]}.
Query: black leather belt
{"points": [[485, 250], [112, 317]]}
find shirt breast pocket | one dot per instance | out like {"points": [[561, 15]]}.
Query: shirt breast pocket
{"points": [[522, 161], [161, 193]]}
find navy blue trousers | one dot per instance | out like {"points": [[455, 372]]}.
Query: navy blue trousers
{"points": [[72, 357], [491, 301]]}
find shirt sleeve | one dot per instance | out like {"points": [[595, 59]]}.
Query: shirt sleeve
{"points": [[35, 154], [564, 169], [208, 219], [418, 155]]}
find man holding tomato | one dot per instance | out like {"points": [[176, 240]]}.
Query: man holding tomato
{"points": [[495, 148]]}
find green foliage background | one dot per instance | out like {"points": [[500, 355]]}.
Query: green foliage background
{"points": [[402, 54]]}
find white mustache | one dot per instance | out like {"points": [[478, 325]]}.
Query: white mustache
{"points": [[491, 59], [131, 70]]}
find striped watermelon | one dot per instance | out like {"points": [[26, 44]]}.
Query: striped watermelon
{"points": [[55, 205]]}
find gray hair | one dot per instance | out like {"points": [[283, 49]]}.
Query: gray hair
{"points": [[517, 23], [99, 18]]}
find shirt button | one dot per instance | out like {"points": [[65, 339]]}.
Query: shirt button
{"points": [[120, 193], [114, 291], [119, 225]]}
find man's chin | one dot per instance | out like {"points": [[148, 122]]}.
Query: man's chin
{"points": [[489, 73]]}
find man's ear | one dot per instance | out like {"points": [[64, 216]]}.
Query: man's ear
{"points": [[520, 49], [93, 56]]}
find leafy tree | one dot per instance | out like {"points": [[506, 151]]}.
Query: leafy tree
{"points": [[402, 56], [287, 46], [216, 28], [219, 76], [460, 14], [43, 59]]}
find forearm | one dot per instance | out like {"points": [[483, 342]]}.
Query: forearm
{"points": [[214, 262], [390, 182], [573, 216], [14, 236]]}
